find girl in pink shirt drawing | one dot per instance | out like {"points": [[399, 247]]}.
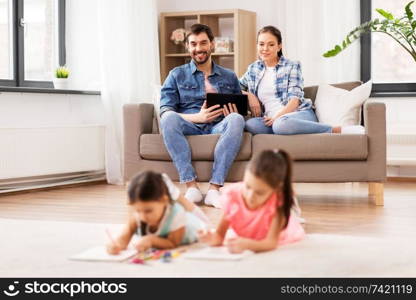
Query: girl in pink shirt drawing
{"points": [[258, 210]]}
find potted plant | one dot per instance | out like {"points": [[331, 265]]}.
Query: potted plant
{"points": [[402, 30], [178, 37], [61, 78]]}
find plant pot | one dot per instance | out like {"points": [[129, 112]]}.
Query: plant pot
{"points": [[60, 83]]}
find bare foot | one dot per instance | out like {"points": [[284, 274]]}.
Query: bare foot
{"points": [[214, 186], [336, 129], [191, 184]]}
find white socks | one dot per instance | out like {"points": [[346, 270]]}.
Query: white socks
{"points": [[353, 129], [193, 194], [213, 198]]}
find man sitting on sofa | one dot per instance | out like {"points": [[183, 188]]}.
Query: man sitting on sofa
{"points": [[184, 112]]}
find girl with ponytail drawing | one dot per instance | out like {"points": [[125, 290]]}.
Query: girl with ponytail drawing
{"points": [[159, 214], [258, 210]]}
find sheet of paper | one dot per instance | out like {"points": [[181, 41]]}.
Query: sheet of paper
{"points": [[215, 253], [100, 254]]}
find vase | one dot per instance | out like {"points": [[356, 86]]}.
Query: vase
{"points": [[179, 48], [60, 83]]}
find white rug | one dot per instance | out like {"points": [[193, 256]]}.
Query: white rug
{"points": [[41, 249]]}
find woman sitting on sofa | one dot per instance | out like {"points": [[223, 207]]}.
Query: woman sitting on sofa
{"points": [[277, 82]]}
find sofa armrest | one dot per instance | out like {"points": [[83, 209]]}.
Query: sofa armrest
{"points": [[375, 128], [137, 120]]}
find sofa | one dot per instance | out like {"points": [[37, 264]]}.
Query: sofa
{"points": [[317, 157]]}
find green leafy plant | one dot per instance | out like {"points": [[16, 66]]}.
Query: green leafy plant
{"points": [[402, 30], [62, 72]]}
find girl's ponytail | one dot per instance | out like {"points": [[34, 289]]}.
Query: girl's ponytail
{"points": [[287, 189], [275, 168]]}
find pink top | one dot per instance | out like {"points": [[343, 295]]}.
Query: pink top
{"points": [[208, 86], [255, 224]]}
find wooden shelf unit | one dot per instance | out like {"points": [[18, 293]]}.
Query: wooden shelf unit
{"points": [[237, 24]]}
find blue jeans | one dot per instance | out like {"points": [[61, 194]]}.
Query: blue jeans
{"points": [[298, 122], [175, 128]]}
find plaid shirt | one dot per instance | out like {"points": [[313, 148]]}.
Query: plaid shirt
{"points": [[289, 81]]}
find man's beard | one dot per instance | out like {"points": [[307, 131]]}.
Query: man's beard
{"points": [[201, 62]]}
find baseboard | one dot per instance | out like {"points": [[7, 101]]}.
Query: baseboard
{"points": [[401, 179], [402, 171], [50, 181]]}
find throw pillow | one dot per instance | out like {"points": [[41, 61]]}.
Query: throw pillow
{"points": [[339, 107]]}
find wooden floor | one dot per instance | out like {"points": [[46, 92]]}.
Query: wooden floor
{"points": [[341, 208]]}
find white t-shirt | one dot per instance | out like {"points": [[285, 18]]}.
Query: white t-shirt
{"points": [[267, 92]]}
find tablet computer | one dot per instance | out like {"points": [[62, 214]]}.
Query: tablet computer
{"points": [[240, 100]]}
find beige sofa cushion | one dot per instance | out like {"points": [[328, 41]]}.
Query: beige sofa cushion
{"points": [[153, 148], [316, 146]]}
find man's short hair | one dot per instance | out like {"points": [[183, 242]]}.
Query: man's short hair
{"points": [[199, 28]]}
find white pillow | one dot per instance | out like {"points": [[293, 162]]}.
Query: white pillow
{"points": [[339, 107]]}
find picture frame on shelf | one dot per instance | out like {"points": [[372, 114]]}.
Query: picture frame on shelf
{"points": [[223, 45]]}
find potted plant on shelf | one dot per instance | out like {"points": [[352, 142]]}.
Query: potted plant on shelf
{"points": [[402, 30], [61, 78]]}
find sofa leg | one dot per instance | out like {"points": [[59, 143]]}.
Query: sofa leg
{"points": [[376, 193]]}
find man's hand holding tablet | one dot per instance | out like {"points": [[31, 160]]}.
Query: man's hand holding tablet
{"points": [[228, 102]]}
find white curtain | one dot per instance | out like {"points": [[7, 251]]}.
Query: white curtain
{"points": [[310, 28], [129, 63]]}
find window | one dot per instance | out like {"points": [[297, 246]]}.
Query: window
{"points": [[6, 40], [392, 69], [39, 39], [33, 32]]}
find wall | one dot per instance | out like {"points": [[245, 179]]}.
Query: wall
{"points": [[62, 114], [27, 110], [401, 135]]}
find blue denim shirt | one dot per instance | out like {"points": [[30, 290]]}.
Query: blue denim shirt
{"points": [[289, 81], [184, 89]]}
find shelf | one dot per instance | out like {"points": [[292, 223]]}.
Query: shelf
{"points": [[223, 13], [187, 54]]}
